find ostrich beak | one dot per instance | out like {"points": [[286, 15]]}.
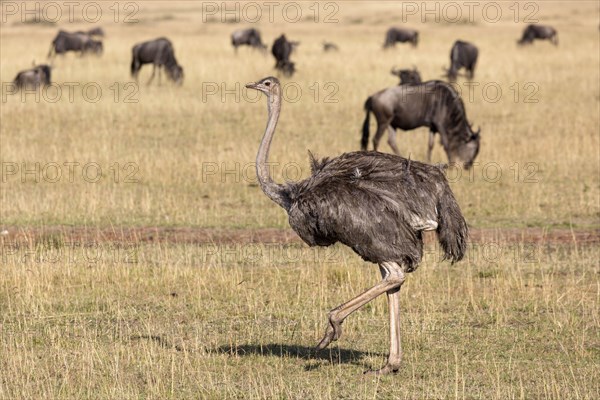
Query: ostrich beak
{"points": [[252, 85]]}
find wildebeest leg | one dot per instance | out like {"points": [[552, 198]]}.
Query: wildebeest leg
{"points": [[430, 145], [395, 355], [381, 127], [393, 277], [152, 76], [159, 69], [392, 139]]}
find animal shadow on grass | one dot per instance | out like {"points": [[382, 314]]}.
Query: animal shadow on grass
{"points": [[332, 356]]}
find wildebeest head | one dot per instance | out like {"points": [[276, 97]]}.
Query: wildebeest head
{"points": [[451, 73], [263, 48], [176, 74], [467, 151], [288, 68], [407, 75], [95, 47]]}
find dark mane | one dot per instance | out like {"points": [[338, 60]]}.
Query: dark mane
{"points": [[171, 61], [457, 116]]}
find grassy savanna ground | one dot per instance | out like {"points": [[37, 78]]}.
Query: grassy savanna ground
{"points": [[174, 320]]}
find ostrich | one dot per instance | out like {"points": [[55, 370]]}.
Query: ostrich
{"points": [[378, 204]]}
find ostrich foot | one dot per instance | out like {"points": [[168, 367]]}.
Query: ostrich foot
{"points": [[387, 369], [334, 331]]}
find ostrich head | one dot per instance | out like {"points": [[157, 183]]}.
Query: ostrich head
{"points": [[268, 86]]}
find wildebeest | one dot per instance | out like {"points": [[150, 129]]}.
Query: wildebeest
{"points": [[434, 104], [158, 52], [394, 35], [247, 37], [75, 41], [328, 46], [541, 32], [281, 50], [462, 55], [407, 76], [33, 78]]}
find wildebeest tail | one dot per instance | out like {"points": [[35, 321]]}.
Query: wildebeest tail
{"points": [[452, 229], [365, 129], [18, 81]]}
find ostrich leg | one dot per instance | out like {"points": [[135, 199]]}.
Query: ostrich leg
{"points": [[393, 277], [395, 356]]}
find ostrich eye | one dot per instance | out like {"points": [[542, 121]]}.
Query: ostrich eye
{"points": [[267, 83]]}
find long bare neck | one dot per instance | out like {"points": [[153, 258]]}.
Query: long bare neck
{"points": [[274, 191]]}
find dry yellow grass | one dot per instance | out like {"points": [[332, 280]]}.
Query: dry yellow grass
{"points": [[180, 321], [239, 322]]}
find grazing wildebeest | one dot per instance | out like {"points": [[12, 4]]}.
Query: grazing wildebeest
{"points": [[75, 41], [541, 32], [158, 52], [462, 55], [394, 35], [247, 37], [33, 78], [281, 50], [434, 104], [407, 76], [377, 204], [328, 46]]}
